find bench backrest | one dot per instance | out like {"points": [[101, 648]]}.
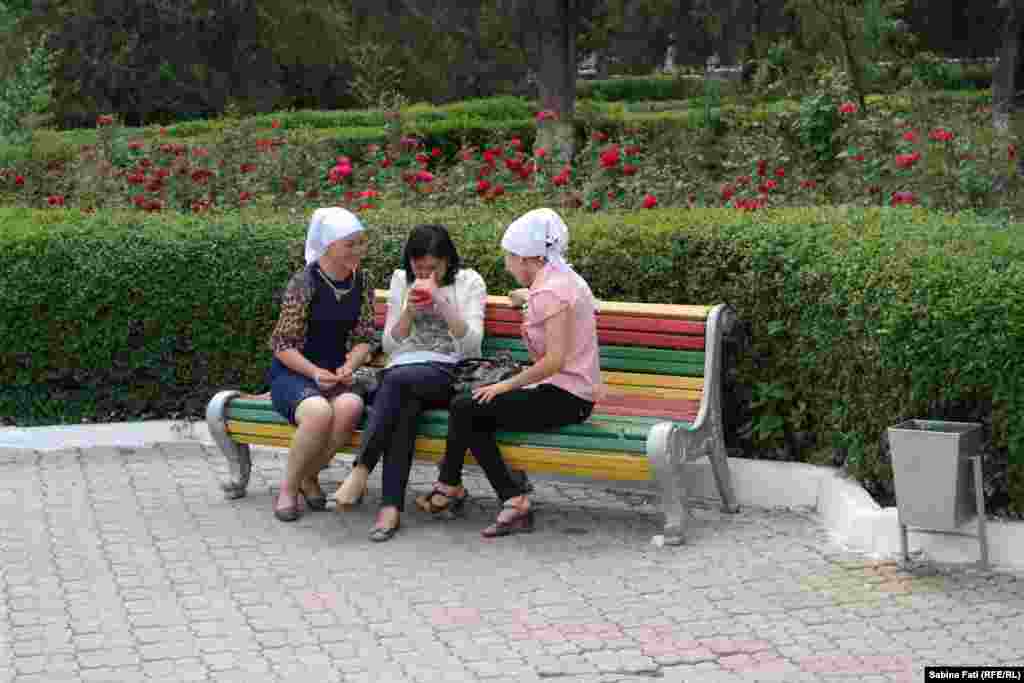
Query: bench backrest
{"points": [[652, 355]]}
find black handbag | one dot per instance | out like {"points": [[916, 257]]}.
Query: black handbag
{"points": [[473, 373]]}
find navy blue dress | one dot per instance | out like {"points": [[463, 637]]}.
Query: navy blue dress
{"points": [[328, 325]]}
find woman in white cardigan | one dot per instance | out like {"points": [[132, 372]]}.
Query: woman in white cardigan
{"points": [[435, 318]]}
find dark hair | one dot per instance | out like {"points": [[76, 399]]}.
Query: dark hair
{"points": [[431, 240]]}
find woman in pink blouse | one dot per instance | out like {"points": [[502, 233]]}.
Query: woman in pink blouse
{"points": [[558, 389]]}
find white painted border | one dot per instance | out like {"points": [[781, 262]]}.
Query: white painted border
{"points": [[844, 507]]}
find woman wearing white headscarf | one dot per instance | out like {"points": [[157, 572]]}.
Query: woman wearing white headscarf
{"points": [[323, 334], [558, 389]]}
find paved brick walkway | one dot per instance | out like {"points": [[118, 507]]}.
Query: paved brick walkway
{"points": [[128, 565]]}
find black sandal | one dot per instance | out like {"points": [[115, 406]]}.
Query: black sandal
{"points": [[379, 534], [452, 507], [519, 523]]}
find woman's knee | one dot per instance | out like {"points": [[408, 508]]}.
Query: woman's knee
{"points": [[314, 413], [348, 408]]}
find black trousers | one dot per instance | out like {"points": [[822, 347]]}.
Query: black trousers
{"points": [[404, 391], [471, 425]]}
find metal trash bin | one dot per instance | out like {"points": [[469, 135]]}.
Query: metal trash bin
{"points": [[937, 488]]}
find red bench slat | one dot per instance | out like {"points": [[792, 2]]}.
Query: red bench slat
{"points": [[641, 406]]}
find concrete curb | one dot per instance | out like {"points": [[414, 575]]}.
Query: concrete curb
{"points": [[843, 506]]}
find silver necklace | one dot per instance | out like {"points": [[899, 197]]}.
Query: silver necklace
{"points": [[338, 293]]}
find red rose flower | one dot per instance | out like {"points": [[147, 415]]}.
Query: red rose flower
{"points": [[762, 167], [275, 124], [727, 192], [482, 186], [629, 169], [436, 152], [904, 198], [424, 176], [596, 204], [55, 200], [907, 160], [847, 108], [780, 172], [599, 136], [540, 152], [610, 157], [809, 184], [104, 120], [910, 136], [19, 180], [940, 135], [650, 201]]}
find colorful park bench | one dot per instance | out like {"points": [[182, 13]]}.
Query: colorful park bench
{"points": [[662, 364]]}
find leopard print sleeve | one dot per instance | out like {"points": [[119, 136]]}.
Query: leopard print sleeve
{"points": [[364, 331], [290, 331]]}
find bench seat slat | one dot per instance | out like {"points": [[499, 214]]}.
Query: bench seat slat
{"points": [[608, 442], [578, 462]]}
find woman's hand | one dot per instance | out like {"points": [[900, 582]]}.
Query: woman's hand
{"points": [[518, 297], [325, 379], [486, 394], [344, 374]]}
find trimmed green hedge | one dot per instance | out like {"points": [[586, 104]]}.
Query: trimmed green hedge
{"points": [[859, 318]]}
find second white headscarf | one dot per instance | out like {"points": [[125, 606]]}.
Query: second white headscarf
{"points": [[540, 232]]}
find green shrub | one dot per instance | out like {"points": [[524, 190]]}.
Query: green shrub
{"points": [[859, 317], [637, 89]]}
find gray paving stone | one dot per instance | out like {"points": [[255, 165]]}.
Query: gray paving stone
{"points": [[164, 580]]}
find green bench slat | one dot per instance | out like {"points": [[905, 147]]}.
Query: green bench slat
{"points": [[603, 433], [621, 358]]}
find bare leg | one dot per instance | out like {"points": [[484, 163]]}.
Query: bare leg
{"points": [[314, 417], [346, 409]]}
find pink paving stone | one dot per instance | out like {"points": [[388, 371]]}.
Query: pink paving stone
{"points": [[727, 646], [520, 614], [836, 664], [319, 600], [548, 634], [455, 616]]}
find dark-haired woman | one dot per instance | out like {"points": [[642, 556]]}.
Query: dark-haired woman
{"points": [[435, 318]]}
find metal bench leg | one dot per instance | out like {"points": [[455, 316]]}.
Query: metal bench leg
{"points": [[667, 463], [723, 479], [237, 454]]}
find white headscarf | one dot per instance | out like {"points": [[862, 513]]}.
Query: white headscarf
{"points": [[540, 232], [326, 227]]}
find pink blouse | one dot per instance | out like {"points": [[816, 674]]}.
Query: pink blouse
{"points": [[552, 292]]}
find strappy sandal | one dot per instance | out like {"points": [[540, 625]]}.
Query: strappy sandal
{"points": [[451, 507], [521, 522]]}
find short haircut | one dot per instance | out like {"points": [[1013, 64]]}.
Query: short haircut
{"points": [[431, 240]]}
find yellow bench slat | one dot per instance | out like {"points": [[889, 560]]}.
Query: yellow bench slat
{"points": [[638, 379]]}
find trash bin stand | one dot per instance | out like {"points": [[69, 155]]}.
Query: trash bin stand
{"points": [[979, 495]]}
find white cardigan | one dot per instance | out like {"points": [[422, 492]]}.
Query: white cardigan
{"points": [[469, 295]]}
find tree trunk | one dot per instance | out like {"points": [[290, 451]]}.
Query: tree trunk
{"points": [[556, 76], [1005, 80]]}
